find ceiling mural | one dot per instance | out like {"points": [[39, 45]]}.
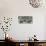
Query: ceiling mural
{"points": [[37, 3]]}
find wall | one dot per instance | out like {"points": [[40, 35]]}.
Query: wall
{"points": [[15, 8]]}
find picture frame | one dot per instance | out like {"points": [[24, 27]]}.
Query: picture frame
{"points": [[25, 19]]}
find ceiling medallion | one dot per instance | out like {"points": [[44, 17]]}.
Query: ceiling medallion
{"points": [[35, 3]]}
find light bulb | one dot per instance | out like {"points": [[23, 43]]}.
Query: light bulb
{"points": [[7, 35]]}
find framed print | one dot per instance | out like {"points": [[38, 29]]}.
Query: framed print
{"points": [[25, 19]]}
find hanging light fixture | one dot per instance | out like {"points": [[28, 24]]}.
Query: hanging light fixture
{"points": [[35, 3]]}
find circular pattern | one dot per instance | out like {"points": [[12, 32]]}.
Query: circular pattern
{"points": [[35, 3]]}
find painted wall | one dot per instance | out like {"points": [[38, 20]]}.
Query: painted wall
{"points": [[15, 8]]}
